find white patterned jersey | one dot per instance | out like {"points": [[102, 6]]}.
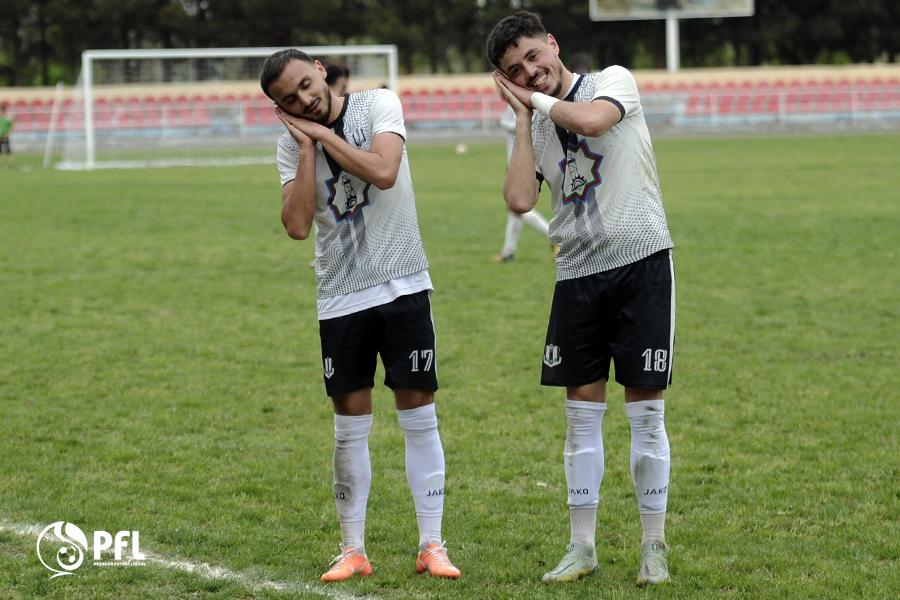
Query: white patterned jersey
{"points": [[365, 236], [607, 206]]}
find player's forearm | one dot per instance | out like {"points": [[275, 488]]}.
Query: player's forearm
{"points": [[520, 188], [298, 207], [371, 167], [590, 119]]}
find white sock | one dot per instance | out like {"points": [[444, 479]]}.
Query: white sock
{"points": [[582, 525], [424, 469], [536, 221], [352, 477], [513, 230], [650, 463], [654, 528], [583, 458]]}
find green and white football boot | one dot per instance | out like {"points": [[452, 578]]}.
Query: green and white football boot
{"points": [[580, 560]]}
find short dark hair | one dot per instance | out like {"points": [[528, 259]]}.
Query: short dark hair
{"points": [[507, 32], [275, 64], [333, 72]]}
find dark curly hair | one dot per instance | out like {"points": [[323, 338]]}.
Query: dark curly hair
{"points": [[507, 32]]}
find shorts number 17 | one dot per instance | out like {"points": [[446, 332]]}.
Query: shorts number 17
{"points": [[427, 356]]}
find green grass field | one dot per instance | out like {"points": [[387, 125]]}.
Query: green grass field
{"points": [[160, 372]]}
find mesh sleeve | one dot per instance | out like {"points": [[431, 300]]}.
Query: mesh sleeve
{"points": [[287, 156], [387, 114], [617, 83]]}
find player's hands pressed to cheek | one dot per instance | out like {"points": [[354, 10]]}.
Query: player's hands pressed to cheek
{"points": [[511, 91], [296, 127]]}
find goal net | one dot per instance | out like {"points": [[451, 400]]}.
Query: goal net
{"points": [[156, 108]]}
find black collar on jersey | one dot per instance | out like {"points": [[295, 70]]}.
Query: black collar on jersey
{"points": [[570, 97], [565, 136], [338, 126]]}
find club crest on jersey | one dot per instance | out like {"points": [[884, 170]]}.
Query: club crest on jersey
{"points": [[552, 356], [581, 172], [346, 195]]}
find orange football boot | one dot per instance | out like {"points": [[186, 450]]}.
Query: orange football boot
{"points": [[433, 558], [347, 564]]}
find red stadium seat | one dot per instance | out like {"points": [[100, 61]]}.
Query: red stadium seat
{"points": [[259, 114], [697, 104], [765, 103], [152, 112], [744, 103]]}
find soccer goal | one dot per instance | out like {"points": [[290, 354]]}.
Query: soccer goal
{"points": [[178, 107]]}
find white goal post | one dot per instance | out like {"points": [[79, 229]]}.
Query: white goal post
{"points": [[138, 80]]}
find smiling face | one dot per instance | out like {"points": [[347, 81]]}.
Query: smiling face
{"points": [[301, 91], [533, 63]]}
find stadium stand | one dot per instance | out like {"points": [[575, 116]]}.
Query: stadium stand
{"points": [[706, 96]]}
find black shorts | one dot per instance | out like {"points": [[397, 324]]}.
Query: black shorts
{"points": [[4, 146], [626, 315], [401, 331]]}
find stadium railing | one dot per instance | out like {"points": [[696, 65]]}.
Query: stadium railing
{"points": [[689, 105]]}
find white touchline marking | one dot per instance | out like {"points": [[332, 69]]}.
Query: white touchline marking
{"points": [[208, 571]]}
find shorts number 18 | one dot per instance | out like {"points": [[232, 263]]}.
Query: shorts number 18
{"points": [[655, 361]]}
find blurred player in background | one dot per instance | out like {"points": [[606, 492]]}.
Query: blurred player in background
{"points": [[514, 221], [585, 135], [338, 78], [343, 165], [6, 125]]}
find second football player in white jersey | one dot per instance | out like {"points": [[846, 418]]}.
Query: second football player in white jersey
{"points": [[343, 165], [585, 136]]}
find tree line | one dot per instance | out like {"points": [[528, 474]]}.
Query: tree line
{"points": [[41, 40]]}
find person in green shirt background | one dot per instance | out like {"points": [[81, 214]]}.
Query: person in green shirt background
{"points": [[6, 126]]}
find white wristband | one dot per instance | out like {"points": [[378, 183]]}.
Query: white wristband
{"points": [[543, 103]]}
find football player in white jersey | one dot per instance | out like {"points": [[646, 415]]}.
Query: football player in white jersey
{"points": [[343, 165], [614, 296]]}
